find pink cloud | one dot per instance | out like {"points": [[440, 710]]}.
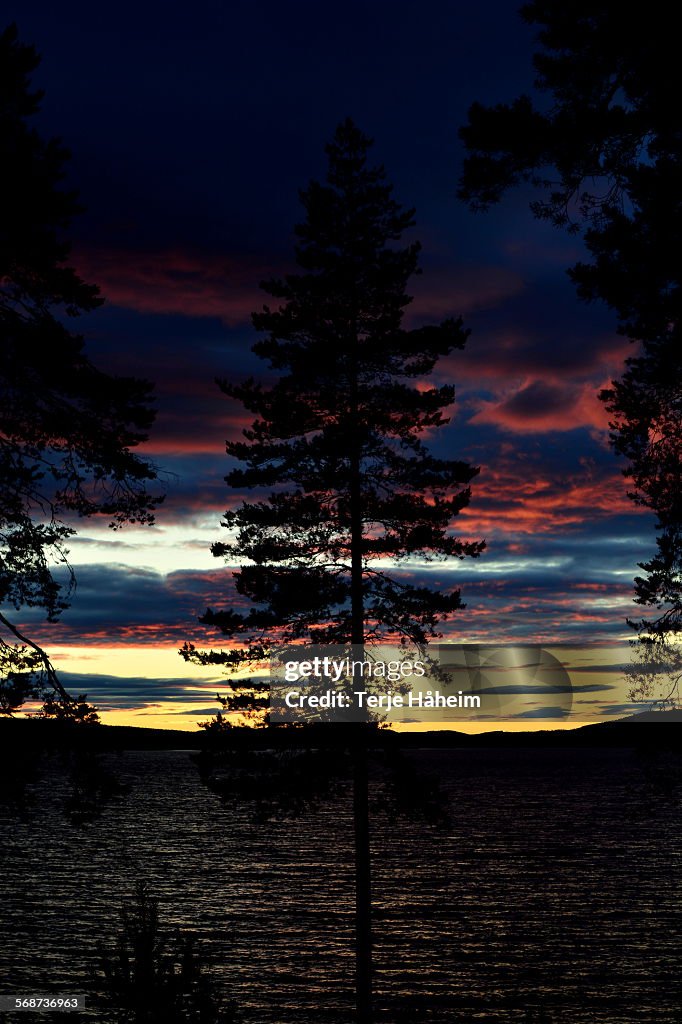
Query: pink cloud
{"points": [[513, 359], [542, 405], [515, 496], [198, 284], [181, 432], [177, 281]]}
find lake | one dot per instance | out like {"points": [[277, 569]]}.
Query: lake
{"points": [[552, 894]]}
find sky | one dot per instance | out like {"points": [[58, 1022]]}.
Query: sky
{"points": [[191, 131]]}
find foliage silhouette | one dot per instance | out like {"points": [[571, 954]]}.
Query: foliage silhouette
{"points": [[339, 441], [77, 712], [604, 155], [66, 428], [152, 979], [655, 672]]}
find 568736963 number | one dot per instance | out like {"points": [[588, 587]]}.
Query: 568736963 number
{"points": [[37, 1003]]}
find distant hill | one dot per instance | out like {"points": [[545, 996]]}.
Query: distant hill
{"points": [[652, 728], [37, 732]]}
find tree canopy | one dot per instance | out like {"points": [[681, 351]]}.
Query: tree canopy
{"points": [[337, 452], [67, 429], [600, 144]]}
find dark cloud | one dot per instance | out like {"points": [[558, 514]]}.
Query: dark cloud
{"points": [[123, 692], [614, 668], [547, 688], [620, 709], [196, 711], [121, 604], [549, 713]]}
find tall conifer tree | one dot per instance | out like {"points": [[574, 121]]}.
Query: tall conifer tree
{"points": [[338, 440]]}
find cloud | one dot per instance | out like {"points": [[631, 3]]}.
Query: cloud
{"points": [[539, 406], [197, 711], [445, 292], [620, 709], [192, 427], [196, 283], [177, 281], [109, 692], [532, 488], [542, 373], [549, 712], [121, 605], [118, 604], [554, 352], [618, 669], [545, 688]]}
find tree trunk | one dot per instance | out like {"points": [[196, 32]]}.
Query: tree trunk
{"points": [[363, 887]]}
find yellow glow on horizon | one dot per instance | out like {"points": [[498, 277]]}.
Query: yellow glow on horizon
{"points": [[139, 662], [199, 684], [158, 716]]}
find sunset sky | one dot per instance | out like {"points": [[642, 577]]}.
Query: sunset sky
{"points": [[191, 130]]}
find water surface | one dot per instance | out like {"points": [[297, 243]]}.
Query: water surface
{"points": [[551, 895]]}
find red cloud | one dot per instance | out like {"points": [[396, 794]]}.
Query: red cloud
{"points": [[176, 281], [183, 433], [539, 406], [193, 284], [517, 358], [517, 496]]}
